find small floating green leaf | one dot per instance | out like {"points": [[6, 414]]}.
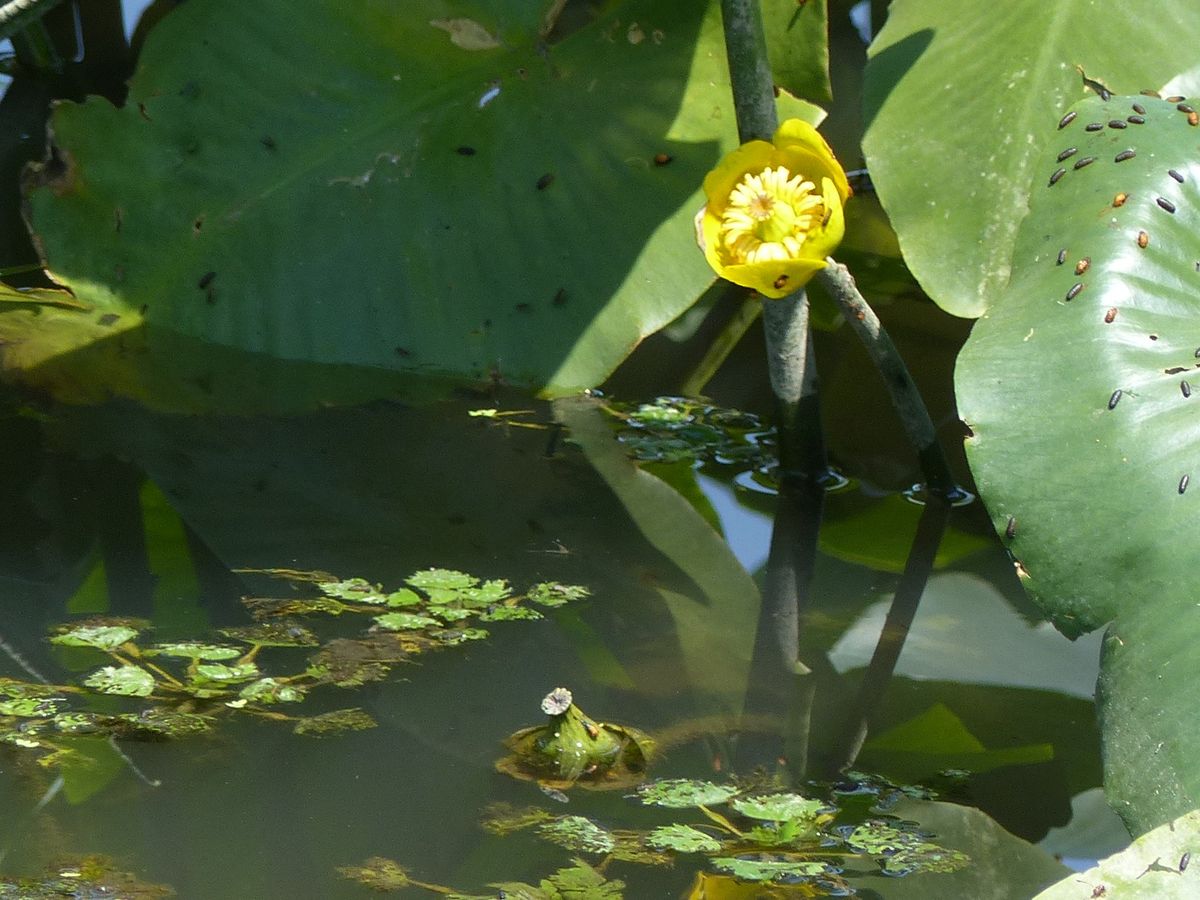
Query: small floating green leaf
{"points": [[454, 636], [681, 793], [357, 590], [335, 722], [270, 690], [578, 833], [30, 707], [102, 637], [11, 687], [489, 592], [400, 621], [452, 613], [778, 807], [876, 837], [127, 681], [552, 593], [508, 614], [226, 674], [682, 839], [446, 579], [403, 597], [195, 650], [80, 723], [580, 882]]}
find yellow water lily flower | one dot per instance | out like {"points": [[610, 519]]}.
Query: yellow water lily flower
{"points": [[774, 211]]}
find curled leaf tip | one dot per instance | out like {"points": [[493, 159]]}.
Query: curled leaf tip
{"points": [[773, 211]]}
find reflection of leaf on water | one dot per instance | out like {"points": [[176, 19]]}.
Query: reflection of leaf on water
{"points": [[127, 681], [335, 722]]}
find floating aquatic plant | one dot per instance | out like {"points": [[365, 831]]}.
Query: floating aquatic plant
{"points": [[671, 429], [186, 686]]}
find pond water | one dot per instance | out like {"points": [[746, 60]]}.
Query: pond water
{"points": [[116, 510]]}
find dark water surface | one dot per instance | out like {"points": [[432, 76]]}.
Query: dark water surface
{"points": [[120, 511]]}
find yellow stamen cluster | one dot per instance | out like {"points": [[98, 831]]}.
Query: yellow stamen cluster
{"points": [[769, 216]]}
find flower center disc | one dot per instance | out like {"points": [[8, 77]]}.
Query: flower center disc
{"points": [[769, 216]]}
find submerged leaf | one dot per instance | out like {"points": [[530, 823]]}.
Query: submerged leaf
{"points": [[151, 724], [128, 681], [358, 590], [508, 614], [682, 839], [273, 634], [681, 793], [377, 873], [335, 722], [11, 687], [224, 674]]}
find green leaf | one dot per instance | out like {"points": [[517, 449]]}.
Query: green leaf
{"points": [[399, 621], [102, 637], [357, 590], [504, 613], [1104, 420], [403, 597], [681, 793], [958, 100], [798, 46], [1157, 864], [445, 579], [577, 833], [682, 839], [30, 707], [553, 594], [195, 650], [160, 723], [224, 674], [270, 690], [128, 681], [768, 870], [472, 198], [778, 807]]}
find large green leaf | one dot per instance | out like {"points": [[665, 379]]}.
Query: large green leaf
{"points": [[423, 186], [957, 96], [1076, 388]]}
